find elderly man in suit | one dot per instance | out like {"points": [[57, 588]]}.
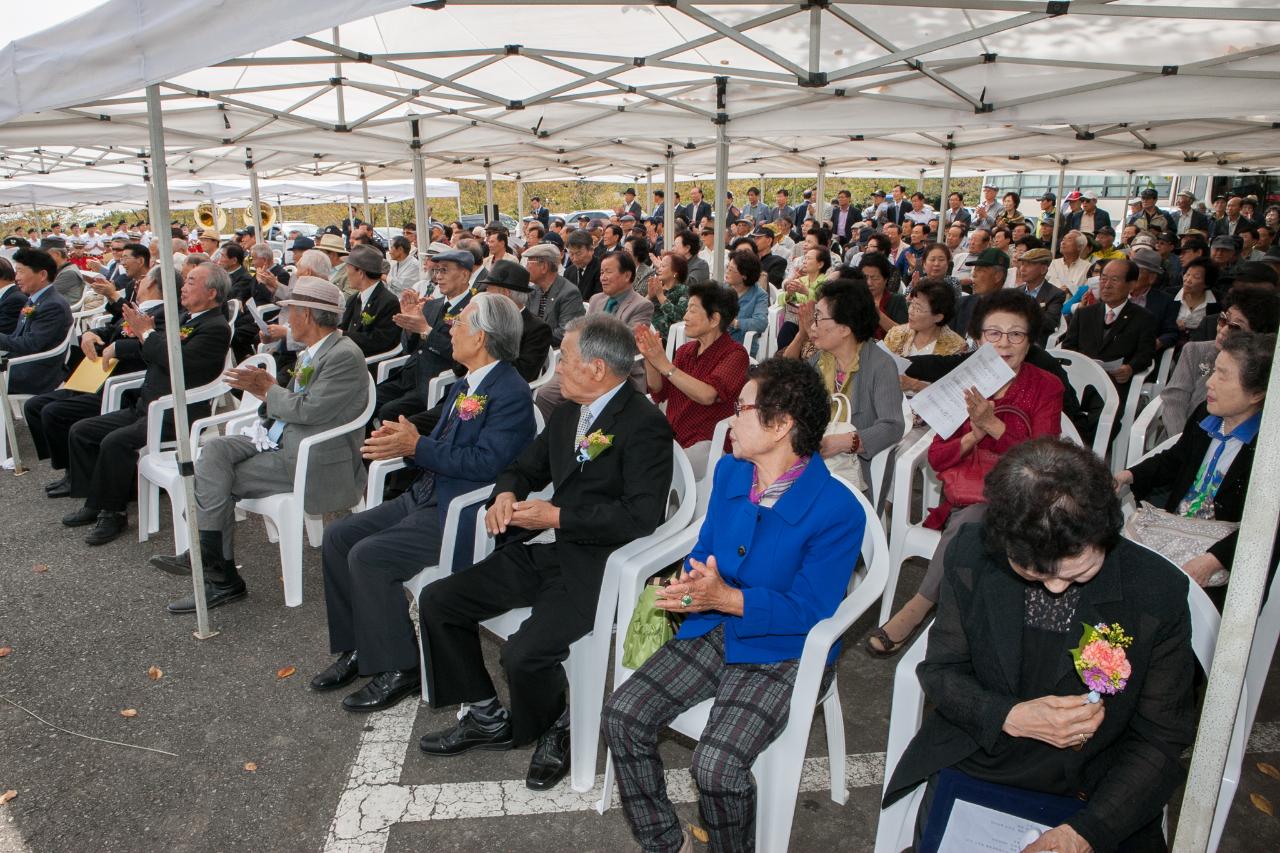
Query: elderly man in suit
{"points": [[1032, 267], [620, 299], [553, 555], [425, 336], [368, 320], [43, 322], [583, 269], [1186, 218], [102, 451], [1089, 218], [697, 209], [1159, 303], [510, 280], [68, 281], [329, 388], [554, 300], [367, 556], [117, 281], [1113, 331]]}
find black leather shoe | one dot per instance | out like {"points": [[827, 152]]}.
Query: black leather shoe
{"points": [[383, 691], [57, 484], [109, 526], [215, 595], [464, 737], [550, 762], [340, 673], [80, 517], [60, 489], [179, 565]]}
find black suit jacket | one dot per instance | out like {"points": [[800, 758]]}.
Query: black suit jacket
{"points": [[851, 221], [1222, 226], [614, 499], [1131, 338], [204, 356], [775, 267], [543, 215], [242, 284], [971, 671], [43, 330], [1175, 470], [130, 361], [432, 355], [586, 279], [1164, 309], [1050, 299], [11, 305], [1199, 221], [695, 213], [380, 333], [535, 340]]}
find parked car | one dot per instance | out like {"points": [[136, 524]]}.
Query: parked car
{"points": [[604, 215], [471, 220]]}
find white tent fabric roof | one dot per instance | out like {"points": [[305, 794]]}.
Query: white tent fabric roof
{"points": [[590, 87], [189, 194]]}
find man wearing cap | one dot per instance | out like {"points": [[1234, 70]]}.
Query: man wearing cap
{"points": [[554, 299], [102, 451], [336, 251], [369, 317], [1032, 267], [68, 281], [210, 240], [1073, 204], [510, 280], [1150, 217], [1105, 248], [1146, 293], [42, 324], [773, 264], [330, 387], [990, 269], [984, 215], [425, 335], [630, 205], [1115, 332], [1090, 219], [298, 246], [94, 243], [1048, 209], [1185, 217]]}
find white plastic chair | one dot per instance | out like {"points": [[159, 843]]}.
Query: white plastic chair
{"points": [[881, 463], [548, 370], [16, 401], [386, 365], [1069, 432], [1083, 372], [1157, 378], [1147, 429], [896, 828], [378, 358], [588, 661], [158, 467], [1120, 447], [909, 539], [284, 512], [676, 338], [115, 386], [778, 768], [713, 456]]}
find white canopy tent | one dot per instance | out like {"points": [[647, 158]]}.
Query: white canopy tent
{"points": [[583, 87], [189, 194]]}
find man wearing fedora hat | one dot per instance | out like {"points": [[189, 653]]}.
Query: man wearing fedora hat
{"points": [[509, 279], [555, 300], [330, 386], [336, 251], [369, 318]]}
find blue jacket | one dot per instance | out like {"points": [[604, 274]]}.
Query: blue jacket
{"points": [[477, 450], [792, 562], [753, 316], [44, 330]]}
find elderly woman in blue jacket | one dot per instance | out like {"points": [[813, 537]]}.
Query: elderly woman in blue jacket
{"points": [[773, 559]]}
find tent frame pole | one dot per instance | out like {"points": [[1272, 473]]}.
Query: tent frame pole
{"points": [[722, 181], [519, 198], [181, 423], [488, 191], [364, 190], [668, 201], [255, 202], [944, 200], [422, 223], [1057, 205]]}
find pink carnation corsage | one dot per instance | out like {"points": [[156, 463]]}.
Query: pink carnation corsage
{"points": [[469, 405], [1101, 660]]}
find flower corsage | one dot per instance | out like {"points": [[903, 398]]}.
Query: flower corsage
{"points": [[303, 375], [186, 332], [469, 405], [1101, 661], [593, 445], [366, 318], [28, 311]]}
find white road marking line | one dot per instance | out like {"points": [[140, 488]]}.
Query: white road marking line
{"points": [[374, 801]]}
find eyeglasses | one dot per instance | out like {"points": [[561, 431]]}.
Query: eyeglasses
{"points": [[739, 407], [917, 308], [1235, 327], [993, 335], [818, 318]]}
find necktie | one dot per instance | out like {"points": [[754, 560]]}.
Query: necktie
{"points": [[543, 299], [277, 426], [610, 305], [584, 421], [1111, 316]]}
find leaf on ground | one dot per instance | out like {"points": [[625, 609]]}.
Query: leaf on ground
{"points": [[5, 651], [155, 673], [251, 767], [699, 833], [129, 713], [39, 568], [1262, 804], [285, 672], [7, 796], [1268, 770]]}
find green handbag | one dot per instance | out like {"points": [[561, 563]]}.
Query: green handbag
{"points": [[650, 628]]}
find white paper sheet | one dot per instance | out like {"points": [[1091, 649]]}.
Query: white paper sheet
{"points": [[256, 313], [941, 405], [901, 362], [973, 827], [1110, 366]]}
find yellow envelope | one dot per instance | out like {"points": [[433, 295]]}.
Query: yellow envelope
{"points": [[90, 375]]}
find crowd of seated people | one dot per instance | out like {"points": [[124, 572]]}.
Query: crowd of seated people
{"points": [[1025, 519]]}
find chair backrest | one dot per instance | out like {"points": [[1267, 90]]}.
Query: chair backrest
{"points": [[1069, 431], [713, 457], [1266, 633], [1146, 428], [1084, 373], [233, 311], [1132, 399], [675, 338]]}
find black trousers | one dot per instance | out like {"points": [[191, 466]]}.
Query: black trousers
{"points": [[451, 610], [50, 418], [104, 458], [366, 557], [400, 395]]}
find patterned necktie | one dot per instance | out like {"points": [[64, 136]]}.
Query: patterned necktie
{"points": [[584, 421], [610, 305], [1111, 316], [543, 300]]}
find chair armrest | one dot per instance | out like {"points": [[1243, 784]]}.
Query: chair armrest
{"points": [[631, 565], [436, 387], [378, 472], [386, 365], [155, 411], [213, 421], [383, 356], [115, 386], [453, 517]]}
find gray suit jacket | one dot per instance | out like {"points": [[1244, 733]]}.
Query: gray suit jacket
{"points": [[876, 398], [69, 283], [337, 392], [564, 303], [699, 272], [633, 309]]}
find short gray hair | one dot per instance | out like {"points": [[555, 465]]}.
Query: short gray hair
{"points": [[500, 321], [218, 280], [519, 297], [605, 337], [324, 319], [262, 250], [317, 262], [154, 275]]}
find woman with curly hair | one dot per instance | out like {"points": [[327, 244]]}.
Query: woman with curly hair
{"points": [[749, 611]]}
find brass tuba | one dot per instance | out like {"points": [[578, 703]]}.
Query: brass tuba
{"points": [[205, 217], [266, 213]]}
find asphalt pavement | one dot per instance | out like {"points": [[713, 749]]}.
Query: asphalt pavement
{"points": [[249, 760]]}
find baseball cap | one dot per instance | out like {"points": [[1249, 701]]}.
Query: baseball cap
{"points": [[301, 244], [1223, 242], [544, 252], [1089, 196], [437, 248], [1106, 229], [1074, 195], [1048, 197], [1187, 193], [992, 258], [1149, 193]]}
